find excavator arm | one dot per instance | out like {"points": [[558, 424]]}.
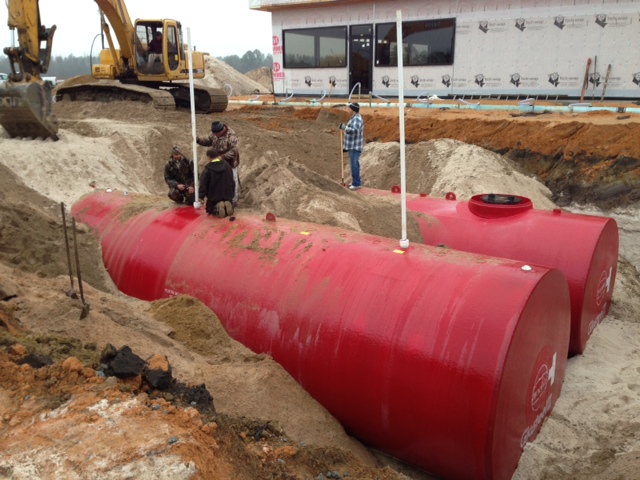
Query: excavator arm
{"points": [[25, 98], [24, 16], [123, 28]]}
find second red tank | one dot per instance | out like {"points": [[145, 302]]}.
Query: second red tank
{"points": [[583, 247]]}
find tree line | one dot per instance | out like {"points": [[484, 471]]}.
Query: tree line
{"points": [[251, 60], [72, 66], [60, 67]]}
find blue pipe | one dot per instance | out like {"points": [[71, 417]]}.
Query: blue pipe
{"points": [[573, 108]]}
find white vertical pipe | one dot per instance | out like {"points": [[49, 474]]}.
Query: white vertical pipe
{"points": [[404, 241], [192, 101]]}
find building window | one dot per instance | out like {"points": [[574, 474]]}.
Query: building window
{"points": [[315, 47], [425, 42]]}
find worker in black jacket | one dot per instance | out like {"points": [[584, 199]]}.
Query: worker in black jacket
{"points": [[217, 185]]}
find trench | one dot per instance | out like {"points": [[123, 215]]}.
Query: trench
{"points": [[604, 182], [589, 159]]}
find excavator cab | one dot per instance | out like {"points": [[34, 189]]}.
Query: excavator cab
{"points": [[158, 55], [159, 49]]}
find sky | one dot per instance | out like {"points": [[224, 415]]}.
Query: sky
{"points": [[219, 27]]}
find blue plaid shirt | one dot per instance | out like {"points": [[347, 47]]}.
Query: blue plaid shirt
{"points": [[354, 134]]}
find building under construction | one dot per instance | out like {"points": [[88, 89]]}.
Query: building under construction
{"points": [[499, 48]]}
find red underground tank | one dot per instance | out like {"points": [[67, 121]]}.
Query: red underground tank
{"points": [[447, 360], [583, 247]]}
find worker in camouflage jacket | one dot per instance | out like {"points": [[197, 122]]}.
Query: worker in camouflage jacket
{"points": [[178, 173], [224, 142]]}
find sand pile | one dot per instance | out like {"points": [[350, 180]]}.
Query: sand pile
{"points": [[440, 166], [221, 75], [263, 75]]}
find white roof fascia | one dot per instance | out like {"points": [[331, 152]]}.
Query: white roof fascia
{"points": [[271, 4]]}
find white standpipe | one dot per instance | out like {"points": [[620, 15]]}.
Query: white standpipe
{"points": [[192, 99], [404, 241]]}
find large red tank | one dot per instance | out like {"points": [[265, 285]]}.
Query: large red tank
{"points": [[447, 360], [583, 247]]}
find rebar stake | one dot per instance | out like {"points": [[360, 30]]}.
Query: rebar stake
{"points": [[71, 293], [85, 305]]}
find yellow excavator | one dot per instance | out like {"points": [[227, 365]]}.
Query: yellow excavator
{"points": [[140, 69]]}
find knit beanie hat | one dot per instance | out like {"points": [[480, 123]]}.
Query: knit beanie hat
{"points": [[217, 126]]}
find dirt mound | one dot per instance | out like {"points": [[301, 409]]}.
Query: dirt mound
{"points": [[262, 75], [221, 75], [440, 166], [288, 189], [217, 75]]}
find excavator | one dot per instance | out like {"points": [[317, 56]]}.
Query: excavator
{"points": [[132, 71]]}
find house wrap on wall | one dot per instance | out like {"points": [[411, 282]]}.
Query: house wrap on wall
{"points": [[456, 47]]}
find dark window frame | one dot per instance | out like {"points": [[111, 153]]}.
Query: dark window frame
{"points": [[316, 59], [386, 36]]}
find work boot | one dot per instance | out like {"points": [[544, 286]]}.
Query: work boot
{"points": [[220, 210], [229, 208], [175, 196]]}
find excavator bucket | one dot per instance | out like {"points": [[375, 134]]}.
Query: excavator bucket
{"points": [[25, 110]]}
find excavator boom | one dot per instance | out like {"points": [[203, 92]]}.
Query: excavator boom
{"points": [[123, 28]]}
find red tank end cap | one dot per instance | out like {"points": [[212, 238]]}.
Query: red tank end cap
{"points": [[494, 205]]}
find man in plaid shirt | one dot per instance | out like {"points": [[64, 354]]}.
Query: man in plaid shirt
{"points": [[354, 143], [224, 142]]}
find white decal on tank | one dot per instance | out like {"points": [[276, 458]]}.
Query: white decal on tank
{"points": [[552, 370], [596, 321], [545, 378], [604, 285], [533, 428], [539, 387]]}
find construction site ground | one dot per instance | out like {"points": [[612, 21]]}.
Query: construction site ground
{"points": [[64, 420]]}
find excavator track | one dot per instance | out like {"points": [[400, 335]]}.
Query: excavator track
{"points": [[208, 100], [113, 90]]}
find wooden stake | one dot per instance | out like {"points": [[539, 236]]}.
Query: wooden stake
{"points": [[595, 70], [85, 305], [342, 157], [585, 84], [606, 82], [71, 293]]}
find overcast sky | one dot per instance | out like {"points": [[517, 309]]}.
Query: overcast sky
{"points": [[219, 27]]}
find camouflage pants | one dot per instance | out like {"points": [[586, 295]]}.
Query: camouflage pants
{"points": [[181, 196]]}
